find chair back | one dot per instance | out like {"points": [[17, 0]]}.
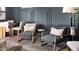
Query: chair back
{"points": [[30, 27], [56, 32]]}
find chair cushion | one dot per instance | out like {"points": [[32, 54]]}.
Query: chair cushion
{"points": [[48, 38], [26, 34]]}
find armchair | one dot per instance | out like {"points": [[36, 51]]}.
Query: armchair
{"points": [[52, 37], [29, 31], [17, 29]]}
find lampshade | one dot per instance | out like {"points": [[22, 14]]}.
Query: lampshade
{"points": [[68, 10], [25, 7], [2, 8]]}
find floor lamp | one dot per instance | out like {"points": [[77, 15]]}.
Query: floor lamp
{"points": [[71, 11]]}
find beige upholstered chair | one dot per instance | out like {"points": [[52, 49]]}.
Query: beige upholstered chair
{"points": [[56, 33], [52, 37], [29, 30], [17, 29]]}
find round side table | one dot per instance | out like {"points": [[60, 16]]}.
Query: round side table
{"points": [[41, 31]]}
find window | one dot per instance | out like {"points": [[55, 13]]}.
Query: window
{"points": [[2, 13]]}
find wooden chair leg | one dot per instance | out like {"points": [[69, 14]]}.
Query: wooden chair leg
{"points": [[12, 33], [32, 39], [17, 35]]}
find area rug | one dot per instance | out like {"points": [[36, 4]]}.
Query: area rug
{"points": [[27, 45]]}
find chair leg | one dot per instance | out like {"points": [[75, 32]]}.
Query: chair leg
{"points": [[12, 33], [32, 39], [54, 44], [18, 35]]}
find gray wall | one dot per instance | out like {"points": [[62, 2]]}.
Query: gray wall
{"points": [[25, 14], [42, 15], [14, 13], [59, 18], [47, 16]]}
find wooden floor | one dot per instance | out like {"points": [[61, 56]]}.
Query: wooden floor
{"points": [[29, 46]]}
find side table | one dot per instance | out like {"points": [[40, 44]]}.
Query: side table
{"points": [[41, 31]]}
